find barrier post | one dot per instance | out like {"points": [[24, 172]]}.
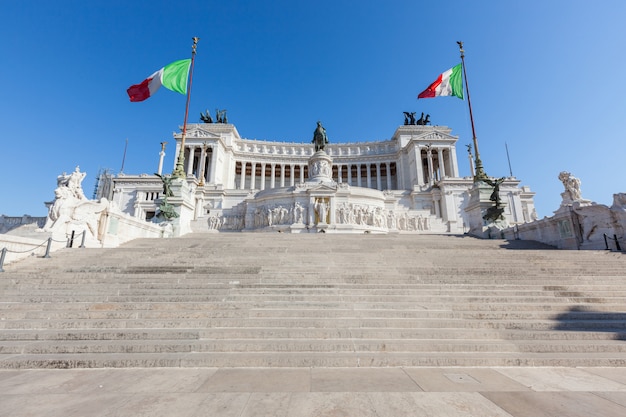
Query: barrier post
{"points": [[2, 256], [47, 254], [617, 246], [82, 241]]}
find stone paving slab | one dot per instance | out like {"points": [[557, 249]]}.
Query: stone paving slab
{"points": [[309, 392]]}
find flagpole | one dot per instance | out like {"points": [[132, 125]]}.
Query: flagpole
{"points": [[179, 171], [480, 172], [124, 157], [508, 158]]}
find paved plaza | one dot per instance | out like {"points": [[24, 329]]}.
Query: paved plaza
{"points": [[362, 392]]}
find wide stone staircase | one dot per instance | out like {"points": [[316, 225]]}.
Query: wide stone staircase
{"points": [[309, 300]]}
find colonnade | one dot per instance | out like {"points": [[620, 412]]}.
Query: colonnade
{"points": [[260, 175], [201, 161], [431, 165], [257, 174], [435, 164]]}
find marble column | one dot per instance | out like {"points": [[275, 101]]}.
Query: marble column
{"points": [[378, 184], [419, 165], [273, 176], [429, 154], [253, 177], [161, 156], [263, 166], [192, 152], [369, 175], [442, 164], [401, 173], [349, 167], [213, 165], [282, 175], [388, 171], [358, 175], [453, 162], [242, 179], [202, 166]]}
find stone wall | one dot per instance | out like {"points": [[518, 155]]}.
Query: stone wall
{"points": [[120, 228], [10, 223]]}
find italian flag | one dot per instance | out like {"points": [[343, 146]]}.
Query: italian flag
{"points": [[173, 76], [449, 83]]}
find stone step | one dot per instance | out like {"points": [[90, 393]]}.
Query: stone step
{"points": [[305, 299], [307, 345], [311, 359], [239, 287], [323, 311], [527, 324], [334, 297], [310, 254], [308, 333], [312, 300], [14, 309], [428, 262], [411, 333], [342, 270], [350, 273]]}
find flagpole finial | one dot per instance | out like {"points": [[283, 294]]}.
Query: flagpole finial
{"points": [[460, 43], [195, 40]]}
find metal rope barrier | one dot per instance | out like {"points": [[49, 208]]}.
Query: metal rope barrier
{"points": [[5, 250], [48, 242], [27, 250]]}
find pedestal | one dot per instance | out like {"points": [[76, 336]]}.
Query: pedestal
{"points": [[484, 219], [567, 204], [320, 168], [183, 203]]}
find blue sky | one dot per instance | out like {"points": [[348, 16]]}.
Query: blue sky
{"points": [[544, 77]]}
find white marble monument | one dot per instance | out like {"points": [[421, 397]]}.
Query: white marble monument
{"points": [[409, 183], [71, 212]]}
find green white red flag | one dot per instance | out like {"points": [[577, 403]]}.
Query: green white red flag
{"points": [[449, 83], [173, 77]]}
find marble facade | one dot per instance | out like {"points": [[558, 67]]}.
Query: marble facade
{"points": [[409, 183]]}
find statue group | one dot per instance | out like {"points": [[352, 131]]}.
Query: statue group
{"points": [[220, 116], [71, 210], [495, 195], [166, 210], [495, 214], [572, 187], [409, 119]]}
